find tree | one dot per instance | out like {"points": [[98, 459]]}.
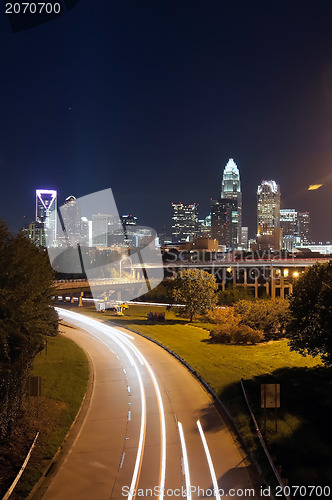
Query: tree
{"points": [[196, 289], [269, 316], [233, 294], [310, 327], [26, 317]]}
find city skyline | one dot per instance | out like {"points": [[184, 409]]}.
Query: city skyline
{"points": [[111, 99], [276, 228]]}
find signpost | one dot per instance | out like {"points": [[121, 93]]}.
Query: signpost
{"points": [[270, 398], [33, 388]]}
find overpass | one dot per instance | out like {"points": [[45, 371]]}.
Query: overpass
{"points": [[275, 277], [106, 287]]}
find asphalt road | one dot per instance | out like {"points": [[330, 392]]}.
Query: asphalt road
{"points": [[150, 427]]}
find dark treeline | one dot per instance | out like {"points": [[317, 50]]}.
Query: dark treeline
{"points": [[26, 317]]}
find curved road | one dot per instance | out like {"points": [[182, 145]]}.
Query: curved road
{"points": [[150, 431]]}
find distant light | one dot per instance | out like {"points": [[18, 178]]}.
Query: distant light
{"points": [[295, 274], [312, 187], [285, 273]]}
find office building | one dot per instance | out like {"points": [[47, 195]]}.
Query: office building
{"points": [[102, 230], [185, 222], [304, 228], [37, 234], [268, 216], [204, 227], [244, 238], [268, 204], [231, 189], [71, 217], [289, 227], [129, 222], [223, 228], [46, 214]]}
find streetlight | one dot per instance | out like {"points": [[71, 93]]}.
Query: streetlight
{"points": [[285, 273], [295, 274]]}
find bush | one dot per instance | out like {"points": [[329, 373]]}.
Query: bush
{"points": [[155, 316], [235, 334], [233, 294], [225, 315], [268, 316]]}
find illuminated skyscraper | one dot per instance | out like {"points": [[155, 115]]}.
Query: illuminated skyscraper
{"points": [[268, 204], [231, 190], [289, 226], [46, 214], [304, 227], [185, 222], [71, 216], [268, 216]]}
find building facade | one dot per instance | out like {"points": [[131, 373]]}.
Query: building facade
{"points": [[269, 234], [289, 227], [223, 228], [184, 222], [71, 217], [231, 189], [46, 214], [304, 228]]}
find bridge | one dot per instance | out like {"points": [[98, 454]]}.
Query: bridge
{"points": [[80, 288], [275, 277]]}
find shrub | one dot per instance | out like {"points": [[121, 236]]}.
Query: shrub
{"points": [[155, 316], [235, 334], [233, 294], [225, 315], [269, 316]]}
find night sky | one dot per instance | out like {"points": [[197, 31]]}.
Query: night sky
{"points": [[151, 98]]}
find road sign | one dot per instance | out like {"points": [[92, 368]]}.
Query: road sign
{"points": [[270, 395]]}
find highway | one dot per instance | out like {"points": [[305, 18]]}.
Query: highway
{"points": [[150, 430]]}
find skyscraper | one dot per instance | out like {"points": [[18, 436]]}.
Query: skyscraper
{"points": [[185, 222], [268, 204], [101, 229], [289, 226], [46, 214], [268, 216], [71, 216], [223, 228], [129, 223], [304, 227], [231, 190]]}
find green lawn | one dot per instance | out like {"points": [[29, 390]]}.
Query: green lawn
{"points": [[64, 370], [303, 443]]}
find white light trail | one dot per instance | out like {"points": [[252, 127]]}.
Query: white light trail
{"points": [[161, 412], [185, 461], [209, 459], [123, 339], [139, 456]]}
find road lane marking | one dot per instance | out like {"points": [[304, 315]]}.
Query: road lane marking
{"points": [[185, 461], [209, 459], [122, 460], [162, 474], [129, 415]]}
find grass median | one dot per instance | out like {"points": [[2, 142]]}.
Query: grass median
{"points": [[64, 370], [302, 445]]}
